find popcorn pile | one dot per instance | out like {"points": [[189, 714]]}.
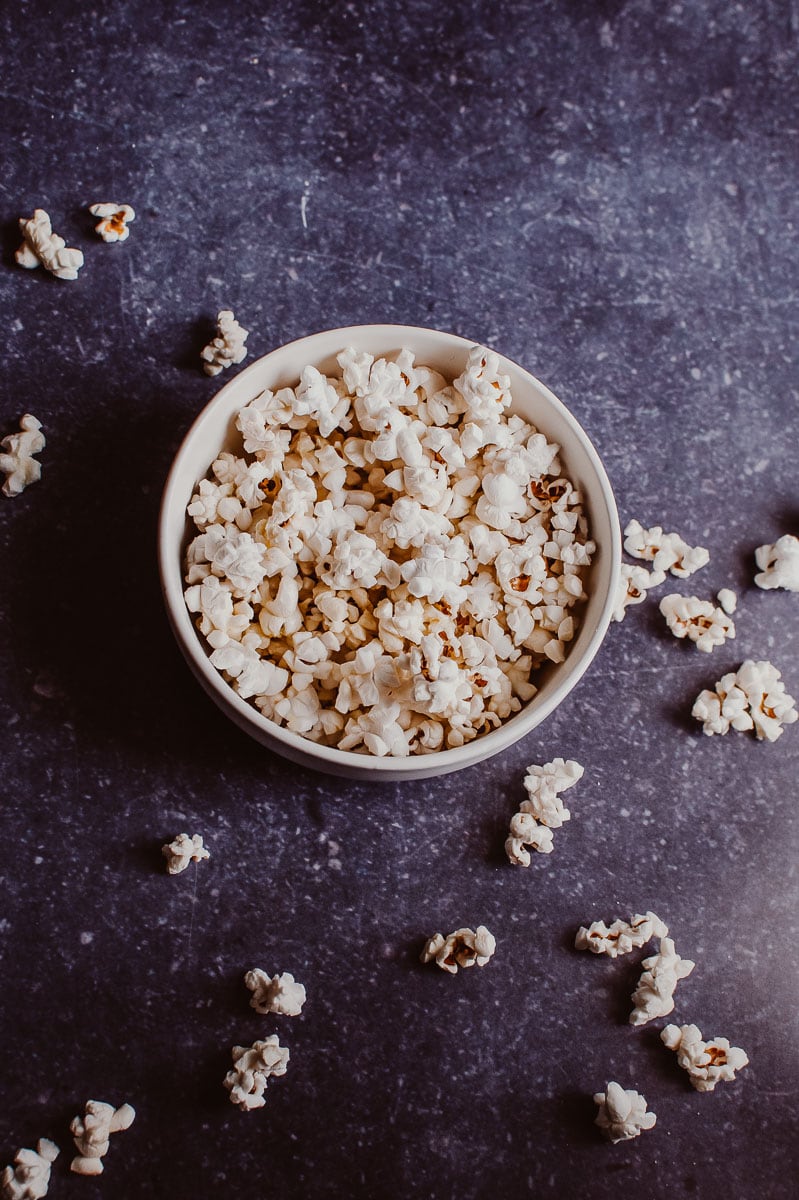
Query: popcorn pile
{"points": [[390, 559], [543, 811], [753, 697]]}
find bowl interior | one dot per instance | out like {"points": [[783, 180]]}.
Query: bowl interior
{"points": [[214, 430]]}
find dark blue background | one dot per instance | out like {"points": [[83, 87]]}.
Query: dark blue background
{"points": [[605, 192]]}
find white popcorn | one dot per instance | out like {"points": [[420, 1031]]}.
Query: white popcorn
{"points": [[707, 1063], [463, 948], [622, 1114], [542, 808], [634, 583], [253, 1066], [183, 850], [700, 621], [227, 346], [654, 995], [666, 551], [728, 600], [280, 994], [42, 247], [779, 564], [753, 697], [344, 577], [620, 937], [17, 463], [113, 223], [29, 1178], [92, 1131]]}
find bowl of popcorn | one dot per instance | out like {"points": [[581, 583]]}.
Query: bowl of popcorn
{"points": [[386, 552]]}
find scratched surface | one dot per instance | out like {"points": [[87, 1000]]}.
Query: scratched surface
{"points": [[606, 192]]}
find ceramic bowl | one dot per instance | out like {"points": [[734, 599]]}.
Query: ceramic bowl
{"points": [[214, 431]]}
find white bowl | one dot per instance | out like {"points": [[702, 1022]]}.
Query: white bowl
{"points": [[214, 430]]}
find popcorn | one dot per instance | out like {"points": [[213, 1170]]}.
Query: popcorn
{"points": [[779, 564], [707, 1063], [183, 850], [654, 995], [666, 551], [622, 1114], [634, 583], [227, 347], [463, 948], [699, 620], [92, 1131], [620, 938], [728, 600], [42, 247], [343, 573], [754, 697], [29, 1179], [18, 464], [542, 808], [280, 994], [253, 1066], [113, 225]]}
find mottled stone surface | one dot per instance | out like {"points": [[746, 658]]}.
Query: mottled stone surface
{"points": [[606, 192]]}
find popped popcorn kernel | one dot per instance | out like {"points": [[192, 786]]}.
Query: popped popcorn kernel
{"points": [[92, 1133], [227, 346], [665, 551], [113, 223], [543, 811], [707, 1063], [29, 1177], [779, 564], [43, 248], [728, 600], [621, 937], [634, 583], [463, 948], [183, 850], [281, 994], [17, 463], [253, 1067], [753, 697], [622, 1114], [654, 994], [700, 621]]}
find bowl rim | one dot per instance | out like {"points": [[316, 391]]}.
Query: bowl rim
{"points": [[331, 758]]}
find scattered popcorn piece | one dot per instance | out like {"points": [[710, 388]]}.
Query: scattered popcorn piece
{"points": [[280, 994], [29, 1179], [227, 347], [92, 1131], [463, 948], [42, 247], [252, 1067], [182, 851], [622, 1114], [753, 697], [654, 995], [634, 583], [779, 564], [728, 600], [18, 464], [666, 551], [698, 620], [542, 808], [620, 938], [707, 1063], [113, 226]]}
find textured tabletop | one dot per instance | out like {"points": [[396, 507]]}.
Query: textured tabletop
{"points": [[603, 192]]}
